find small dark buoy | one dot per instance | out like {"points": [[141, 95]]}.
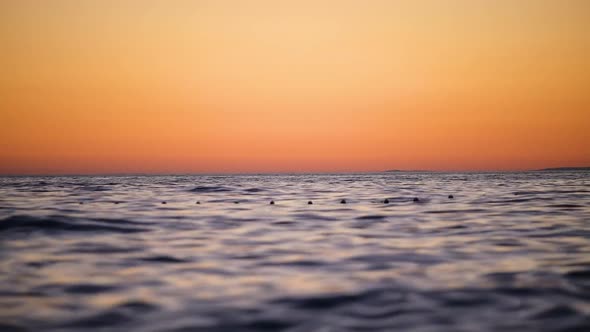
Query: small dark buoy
{"points": [[272, 202], [343, 201], [198, 202], [116, 202], [81, 203], [416, 199], [515, 193], [386, 201], [451, 196], [310, 203], [163, 202], [236, 202]]}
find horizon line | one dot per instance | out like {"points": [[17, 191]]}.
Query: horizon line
{"points": [[560, 168]]}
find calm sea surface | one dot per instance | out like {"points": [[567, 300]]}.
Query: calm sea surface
{"points": [[510, 252]]}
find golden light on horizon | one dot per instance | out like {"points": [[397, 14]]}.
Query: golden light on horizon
{"points": [[256, 86]]}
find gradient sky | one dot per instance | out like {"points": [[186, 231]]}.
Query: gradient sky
{"points": [[121, 86]]}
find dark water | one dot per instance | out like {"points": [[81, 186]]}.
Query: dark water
{"points": [[510, 252]]}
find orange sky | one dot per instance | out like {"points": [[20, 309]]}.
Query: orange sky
{"points": [[140, 86]]}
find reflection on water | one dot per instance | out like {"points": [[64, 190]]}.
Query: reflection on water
{"points": [[509, 251]]}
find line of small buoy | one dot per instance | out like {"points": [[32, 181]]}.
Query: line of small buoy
{"points": [[272, 202]]}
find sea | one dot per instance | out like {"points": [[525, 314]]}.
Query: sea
{"points": [[397, 251]]}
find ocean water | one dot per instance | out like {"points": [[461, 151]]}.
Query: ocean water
{"points": [[509, 252]]}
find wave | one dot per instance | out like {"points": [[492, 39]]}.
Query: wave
{"points": [[209, 189], [163, 259], [67, 224], [253, 190], [93, 188]]}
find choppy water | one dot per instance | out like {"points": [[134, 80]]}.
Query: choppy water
{"points": [[510, 252]]}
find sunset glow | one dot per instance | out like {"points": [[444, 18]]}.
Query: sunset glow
{"points": [[293, 86]]}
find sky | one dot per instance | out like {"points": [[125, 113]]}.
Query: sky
{"points": [[220, 86]]}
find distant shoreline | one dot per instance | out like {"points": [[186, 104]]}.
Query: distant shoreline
{"points": [[565, 169], [550, 169]]}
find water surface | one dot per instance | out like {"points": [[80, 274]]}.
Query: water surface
{"points": [[509, 252]]}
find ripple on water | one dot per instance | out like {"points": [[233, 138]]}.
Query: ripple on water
{"points": [[5, 327], [163, 259], [66, 224], [210, 189], [486, 261], [372, 217], [253, 190], [88, 288]]}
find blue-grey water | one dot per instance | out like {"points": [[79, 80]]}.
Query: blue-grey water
{"points": [[510, 252]]}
